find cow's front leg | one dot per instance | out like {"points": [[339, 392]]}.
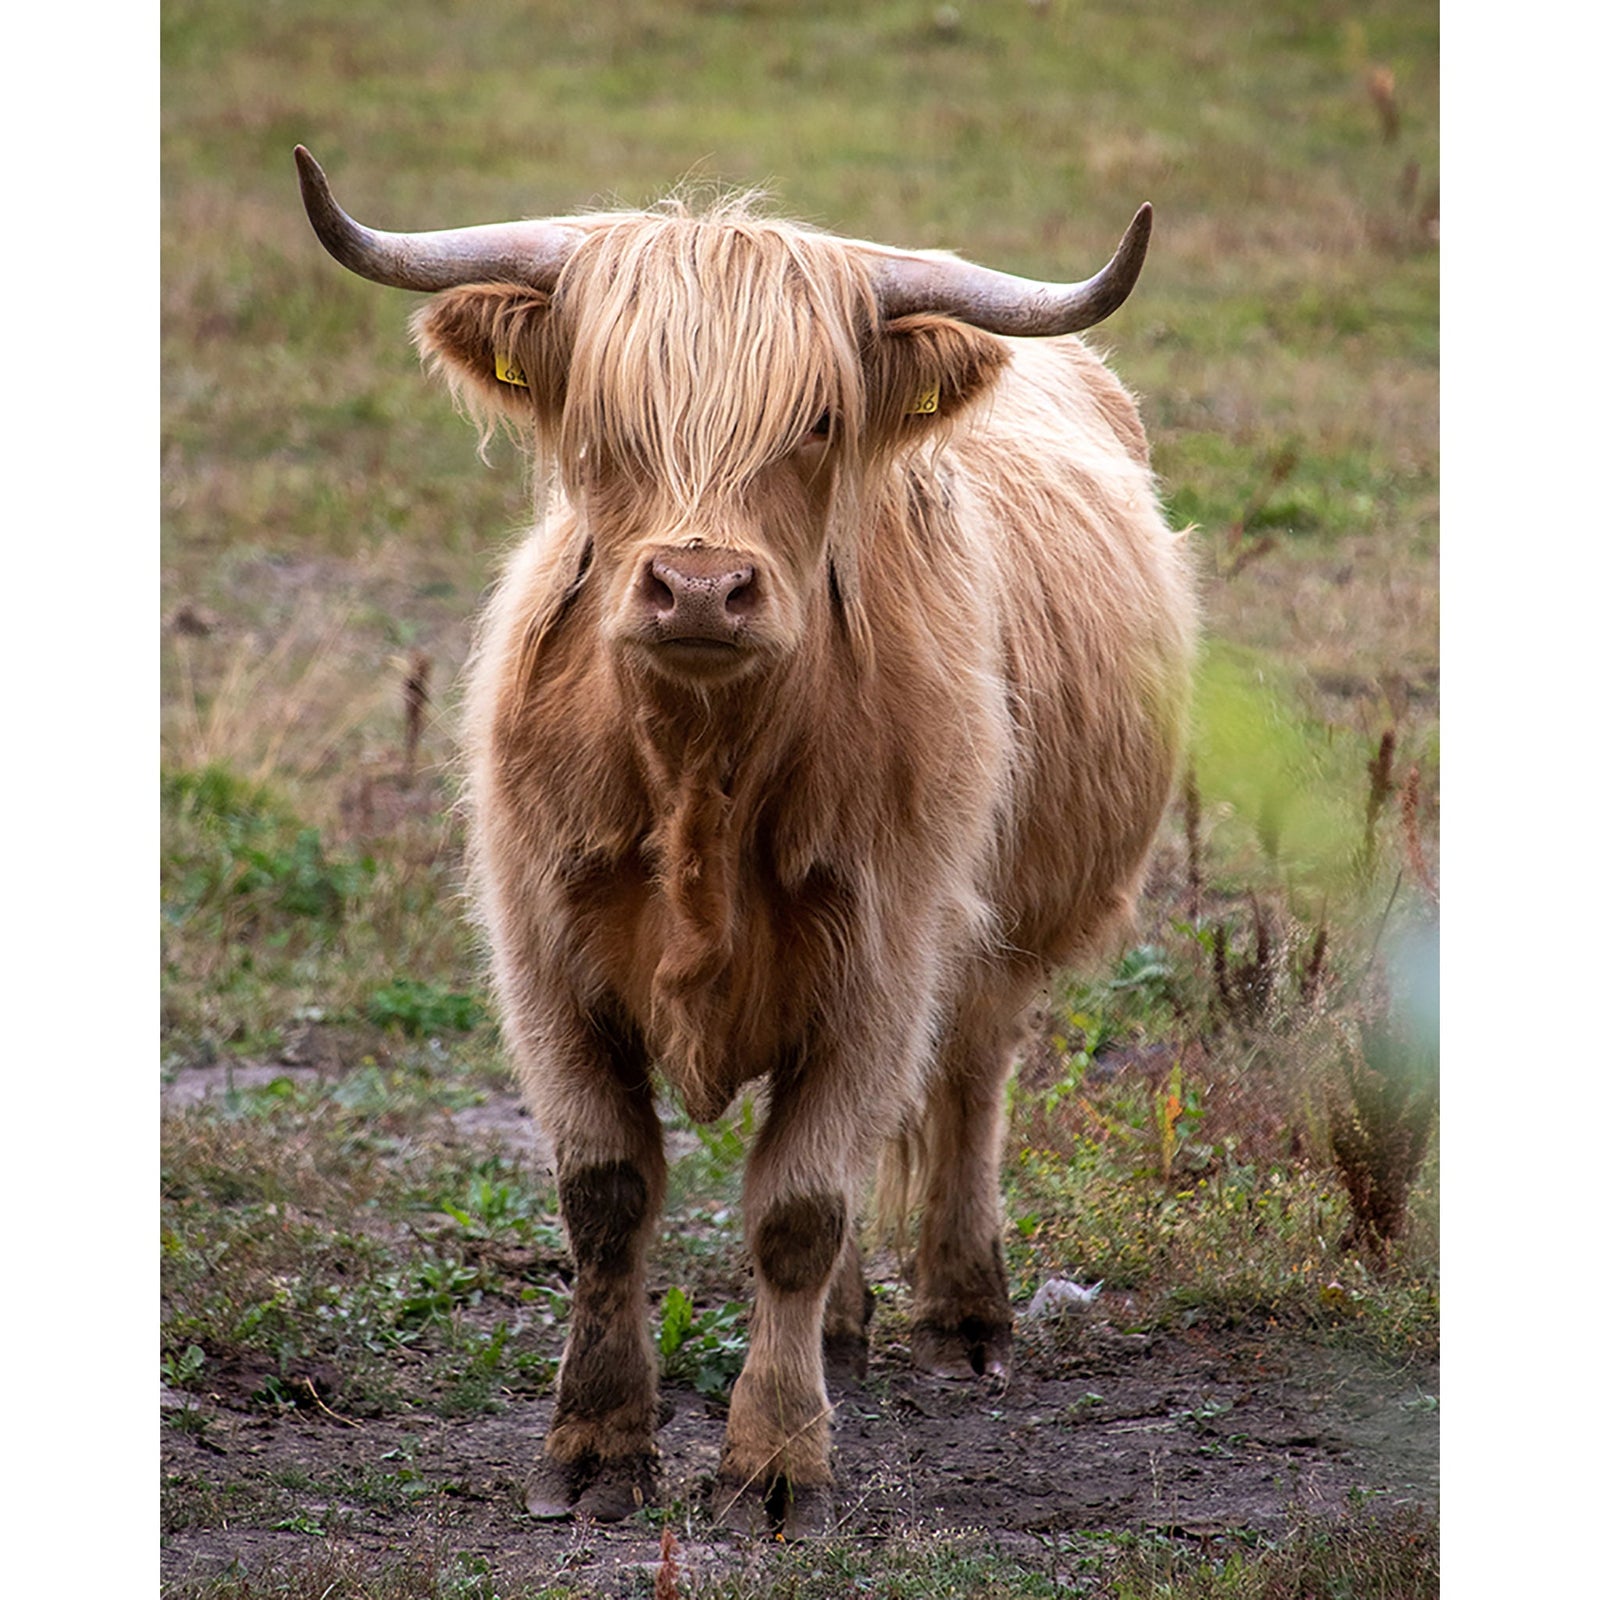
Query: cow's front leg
{"points": [[600, 1457], [775, 1458], [801, 1180]]}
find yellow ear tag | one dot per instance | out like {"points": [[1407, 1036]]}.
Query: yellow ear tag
{"points": [[925, 404], [507, 371]]}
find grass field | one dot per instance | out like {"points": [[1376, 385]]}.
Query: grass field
{"points": [[1194, 1122]]}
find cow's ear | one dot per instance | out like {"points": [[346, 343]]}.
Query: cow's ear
{"points": [[921, 370], [495, 345]]}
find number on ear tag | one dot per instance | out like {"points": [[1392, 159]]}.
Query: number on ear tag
{"points": [[926, 403], [507, 371]]}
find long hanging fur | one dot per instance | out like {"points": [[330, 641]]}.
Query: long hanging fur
{"points": [[944, 535], [847, 869]]}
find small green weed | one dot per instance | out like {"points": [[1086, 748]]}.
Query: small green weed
{"points": [[708, 1349], [300, 1523], [182, 1370], [437, 1287], [482, 1368], [492, 1200], [419, 1008], [236, 853]]}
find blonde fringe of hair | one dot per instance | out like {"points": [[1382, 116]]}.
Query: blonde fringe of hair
{"points": [[650, 333]]}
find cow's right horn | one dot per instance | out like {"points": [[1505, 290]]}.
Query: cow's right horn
{"points": [[531, 253]]}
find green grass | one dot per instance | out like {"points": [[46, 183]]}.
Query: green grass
{"points": [[1367, 1555], [1245, 1244], [266, 919], [310, 1231]]}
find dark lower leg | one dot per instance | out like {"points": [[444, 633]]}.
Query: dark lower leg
{"points": [[599, 1456], [961, 1312], [845, 1316], [605, 1397]]}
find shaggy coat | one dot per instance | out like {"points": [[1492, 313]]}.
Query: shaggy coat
{"points": [[833, 700]]}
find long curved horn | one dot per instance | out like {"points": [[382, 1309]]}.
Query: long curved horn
{"points": [[510, 252], [1001, 303]]}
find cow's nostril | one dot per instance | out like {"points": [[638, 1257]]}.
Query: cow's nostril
{"points": [[657, 592], [740, 598]]}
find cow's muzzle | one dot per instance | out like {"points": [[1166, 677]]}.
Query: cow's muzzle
{"points": [[698, 605]]}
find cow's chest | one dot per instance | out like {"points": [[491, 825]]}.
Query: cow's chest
{"points": [[723, 968]]}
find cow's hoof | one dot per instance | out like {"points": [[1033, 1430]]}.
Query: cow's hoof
{"points": [[774, 1509], [808, 1510], [551, 1488], [974, 1349], [608, 1491], [844, 1357]]}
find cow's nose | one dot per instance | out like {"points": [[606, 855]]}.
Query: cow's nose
{"points": [[700, 593]]}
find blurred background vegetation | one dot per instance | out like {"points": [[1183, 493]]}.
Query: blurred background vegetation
{"points": [[327, 526]]}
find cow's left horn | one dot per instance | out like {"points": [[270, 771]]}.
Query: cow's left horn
{"points": [[507, 252], [1004, 304]]}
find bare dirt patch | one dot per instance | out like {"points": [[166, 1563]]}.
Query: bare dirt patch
{"points": [[1200, 1433]]}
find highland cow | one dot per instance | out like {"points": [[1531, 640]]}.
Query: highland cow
{"points": [[833, 701]]}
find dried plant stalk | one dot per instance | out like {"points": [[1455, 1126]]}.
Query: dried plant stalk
{"points": [[416, 701], [1409, 799], [1381, 90], [1380, 771], [668, 1573], [1191, 838]]}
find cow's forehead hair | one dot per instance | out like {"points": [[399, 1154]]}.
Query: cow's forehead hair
{"points": [[705, 346]]}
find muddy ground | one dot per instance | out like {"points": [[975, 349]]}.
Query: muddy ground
{"points": [[1207, 1433]]}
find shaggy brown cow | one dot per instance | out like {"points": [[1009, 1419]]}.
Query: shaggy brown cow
{"points": [[833, 700]]}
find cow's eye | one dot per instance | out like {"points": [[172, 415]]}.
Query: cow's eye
{"points": [[822, 428]]}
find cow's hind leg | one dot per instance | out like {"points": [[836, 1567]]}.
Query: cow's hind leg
{"points": [[599, 1457], [846, 1314], [961, 1308]]}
